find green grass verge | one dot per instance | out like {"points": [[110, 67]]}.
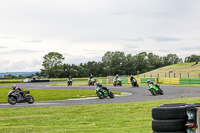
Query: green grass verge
{"points": [[132, 117], [49, 95]]}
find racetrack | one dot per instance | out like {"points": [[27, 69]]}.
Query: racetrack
{"points": [[135, 95]]}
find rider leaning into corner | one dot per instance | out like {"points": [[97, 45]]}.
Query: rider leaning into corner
{"points": [[131, 78], [101, 86], [16, 88], [151, 82]]}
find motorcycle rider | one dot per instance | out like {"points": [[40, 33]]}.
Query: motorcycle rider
{"points": [[116, 77], [16, 88], [131, 78], [151, 82], [101, 86], [91, 76], [69, 80]]}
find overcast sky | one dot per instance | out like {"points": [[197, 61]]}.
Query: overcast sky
{"points": [[84, 30]]}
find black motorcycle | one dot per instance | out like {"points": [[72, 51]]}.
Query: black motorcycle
{"points": [[15, 97], [134, 83], [69, 82]]}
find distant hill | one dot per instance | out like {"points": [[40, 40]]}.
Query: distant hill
{"points": [[178, 70], [17, 73]]}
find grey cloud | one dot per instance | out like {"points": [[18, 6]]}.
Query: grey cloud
{"points": [[33, 41], [165, 50], [4, 37], [189, 48], [20, 51], [126, 46], [65, 54], [134, 40], [118, 14], [11, 66], [24, 51], [165, 39], [3, 47], [94, 50]]}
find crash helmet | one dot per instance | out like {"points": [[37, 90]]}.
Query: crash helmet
{"points": [[117, 75], [148, 81], [97, 83], [14, 86], [131, 75]]}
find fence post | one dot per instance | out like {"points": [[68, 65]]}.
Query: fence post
{"points": [[188, 75], [165, 75], [199, 75], [151, 75], [174, 75], [180, 75]]}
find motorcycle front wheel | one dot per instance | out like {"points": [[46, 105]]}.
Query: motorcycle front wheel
{"points": [[100, 95], [29, 99], [12, 100], [111, 95], [153, 92]]}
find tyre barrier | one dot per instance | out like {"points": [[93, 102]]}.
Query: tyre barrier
{"points": [[176, 118]]}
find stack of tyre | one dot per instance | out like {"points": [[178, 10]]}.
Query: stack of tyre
{"points": [[169, 118]]}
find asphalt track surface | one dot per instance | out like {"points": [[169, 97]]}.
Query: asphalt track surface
{"points": [[134, 95]]}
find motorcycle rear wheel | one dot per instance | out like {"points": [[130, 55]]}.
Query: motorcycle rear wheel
{"points": [[29, 99], [161, 92], [12, 100]]}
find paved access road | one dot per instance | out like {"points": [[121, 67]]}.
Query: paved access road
{"points": [[135, 95]]}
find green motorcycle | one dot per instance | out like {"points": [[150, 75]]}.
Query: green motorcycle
{"points": [[103, 92], [155, 90], [117, 81]]}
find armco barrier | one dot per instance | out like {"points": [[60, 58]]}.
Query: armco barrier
{"points": [[174, 81], [144, 80], [189, 81], [124, 80], [102, 81]]}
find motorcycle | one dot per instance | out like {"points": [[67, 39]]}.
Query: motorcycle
{"points": [[15, 97], [155, 90], [102, 93], [117, 82], [91, 82], [134, 83], [69, 82]]}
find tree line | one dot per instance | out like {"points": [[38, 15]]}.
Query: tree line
{"points": [[112, 63]]}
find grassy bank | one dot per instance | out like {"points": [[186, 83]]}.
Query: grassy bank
{"points": [[132, 117]]}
